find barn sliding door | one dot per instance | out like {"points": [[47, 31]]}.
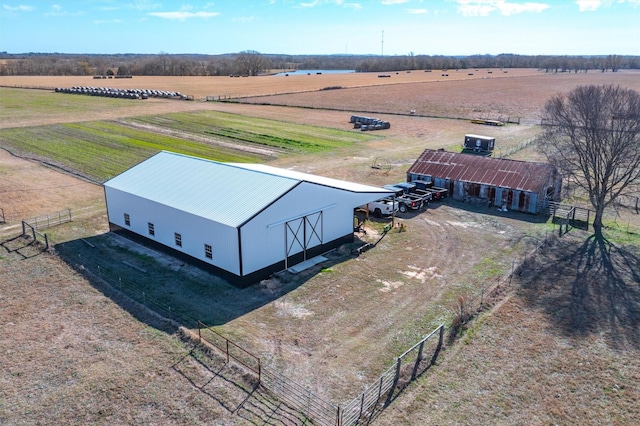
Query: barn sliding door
{"points": [[302, 234]]}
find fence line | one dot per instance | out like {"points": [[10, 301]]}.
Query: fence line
{"points": [[35, 234], [406, 368], [49, 220], [502, 153], [231, 349], [300, 398], [394, 378]]}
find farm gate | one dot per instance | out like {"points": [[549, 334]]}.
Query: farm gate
{"points": [[567, 216], [407, 367], [49, 220]]}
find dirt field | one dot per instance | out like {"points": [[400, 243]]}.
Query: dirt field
{"points": [[201, 87], [74, 355]]}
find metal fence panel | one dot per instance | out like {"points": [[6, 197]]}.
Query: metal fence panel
{"points": [[300, 398]]}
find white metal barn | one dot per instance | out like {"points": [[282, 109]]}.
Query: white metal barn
{"points": [[242, 221]]}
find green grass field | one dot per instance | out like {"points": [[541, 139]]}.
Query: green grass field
{"points": [[100, 150], [18, 103]]}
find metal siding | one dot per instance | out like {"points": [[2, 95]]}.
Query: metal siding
{"points": [[263, 238], [195, 231]]}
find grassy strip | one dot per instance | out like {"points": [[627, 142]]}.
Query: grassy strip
{"points": [[278, 134], [100, 150]]}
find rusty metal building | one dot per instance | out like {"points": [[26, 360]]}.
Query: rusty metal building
{"points": [[517, 185]]}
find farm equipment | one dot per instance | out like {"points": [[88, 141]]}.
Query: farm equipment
{"points": [[412, 189], [437, 193], [479, 145], [368, 123]]}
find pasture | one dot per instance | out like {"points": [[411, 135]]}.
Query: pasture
{"points": [[77, 351]]}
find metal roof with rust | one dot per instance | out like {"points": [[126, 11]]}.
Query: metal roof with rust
{"points": [[499, 172]]}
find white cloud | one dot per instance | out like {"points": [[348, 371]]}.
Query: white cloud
{"points": [[389, 2], [20, 8], [57, 10], [593, 5], [183, 15], [417, 11], [504, 7]]}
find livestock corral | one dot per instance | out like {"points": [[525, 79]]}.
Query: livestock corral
{"points": [[97, 330]]}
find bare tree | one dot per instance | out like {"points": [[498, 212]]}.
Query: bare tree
{"points": [[251, 63], [592, 136]]}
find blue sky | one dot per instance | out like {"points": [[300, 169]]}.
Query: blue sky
{"points": [[319, 27]]}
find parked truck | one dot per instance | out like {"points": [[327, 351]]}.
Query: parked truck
{"points": [[406, 201], [437, 193], [382, 207]]}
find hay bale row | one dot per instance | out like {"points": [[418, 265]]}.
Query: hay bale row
{"points": [[112, 92]]}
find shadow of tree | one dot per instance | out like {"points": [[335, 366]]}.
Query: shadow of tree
{"points": [[588, 288]]}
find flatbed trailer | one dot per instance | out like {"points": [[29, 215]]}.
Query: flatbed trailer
{"points": [[406, 201], [437, 193]]}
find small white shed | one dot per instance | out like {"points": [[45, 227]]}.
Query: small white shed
{"points": [[242, 221]]}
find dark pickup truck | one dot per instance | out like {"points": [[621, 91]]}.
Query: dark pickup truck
{"points": [[407, 201], [437, 193]]}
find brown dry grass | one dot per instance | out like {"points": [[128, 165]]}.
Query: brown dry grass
{"points": [[200, 87], [561, 349], [116, 369]]}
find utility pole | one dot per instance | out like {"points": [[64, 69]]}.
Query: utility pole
{"points": [[382, 44]]}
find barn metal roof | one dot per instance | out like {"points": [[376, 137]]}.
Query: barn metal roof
{"points": [[222, 192], [499, 172], [320, 180]]}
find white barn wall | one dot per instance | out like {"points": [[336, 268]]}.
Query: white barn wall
{"points": [[195, 231], [263, 237]]}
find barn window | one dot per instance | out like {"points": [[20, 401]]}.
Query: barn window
{"points": [[208, 251], [152, 230], [127, 219], [178, 239]]}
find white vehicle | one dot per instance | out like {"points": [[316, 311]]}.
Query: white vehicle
{"points": [[382, 207]]}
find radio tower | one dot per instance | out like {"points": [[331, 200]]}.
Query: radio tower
{"points": [[382, 44]]}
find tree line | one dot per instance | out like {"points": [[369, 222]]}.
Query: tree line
{"points": [[251, 63]]}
